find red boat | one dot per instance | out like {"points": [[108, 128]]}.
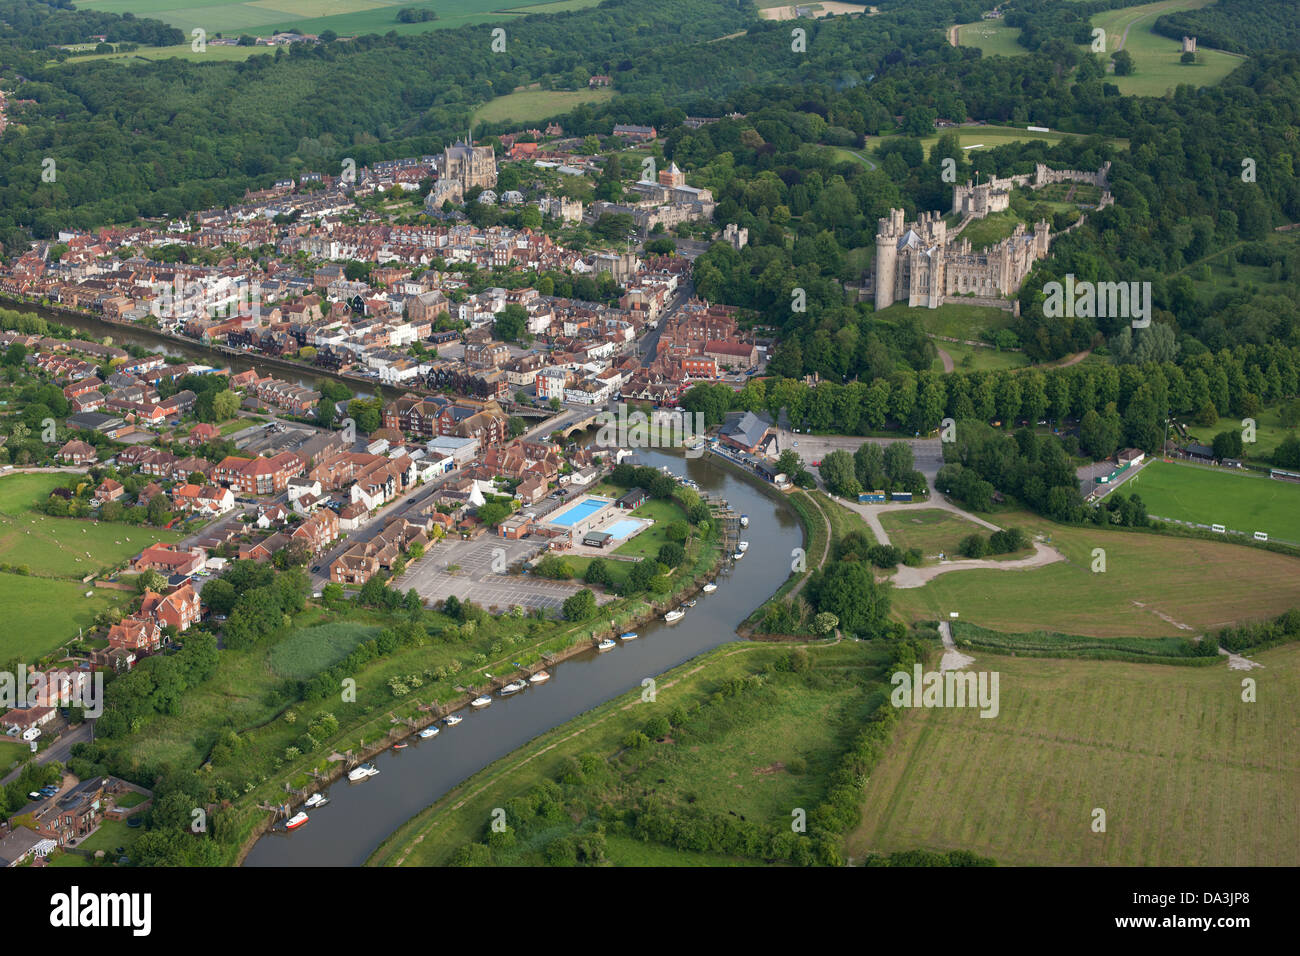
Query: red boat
{"points": [[297, 820], [400, 746]]}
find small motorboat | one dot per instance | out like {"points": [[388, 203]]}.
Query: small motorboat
{"points": [[362, 772], [738, 555], [480, 702], [316, 800], [691, 603], [541, 677], [744, 521], [672, 617], [401, 746], [428, 732], [743, 547], [453, 719], [628, 636], [295, 821], [514, 687], [709, 588], [606, 644]]}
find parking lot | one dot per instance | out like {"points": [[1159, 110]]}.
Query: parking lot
{"points": [[479, 577]]}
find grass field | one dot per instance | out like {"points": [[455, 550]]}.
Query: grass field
{"points": [[1156, 66], [344, 17], [1240, 501], [989, 137], [314, 649], [1187, 773], [531, 106], [41, 614], [1200, 584], [981, 359], [63, 547], [934, 532], [110, 835], [993, 37]]}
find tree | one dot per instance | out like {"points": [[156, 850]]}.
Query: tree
{"points": [[597, 573], [672, 554], [150, 581], [511, 323], [848, 590], [1123, 62], [840, 475], [1227, 445], [579, 606], [225, 404]]}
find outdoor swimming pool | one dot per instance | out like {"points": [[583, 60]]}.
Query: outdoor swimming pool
{"points": [[623, 528], [580, 512]]}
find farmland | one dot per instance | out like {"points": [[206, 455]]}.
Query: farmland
{"points": [[40, 614], [1151, 585], [344, 17], [1072, 736], [1245, 502]]}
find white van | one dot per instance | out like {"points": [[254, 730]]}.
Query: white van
{"points": [[1218, 528], [1261, 536]]}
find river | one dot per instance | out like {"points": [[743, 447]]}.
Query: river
{"points": [[361, 815]]}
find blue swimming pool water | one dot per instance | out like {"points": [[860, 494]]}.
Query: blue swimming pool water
{"points": [[581, 511], [623, 528]]}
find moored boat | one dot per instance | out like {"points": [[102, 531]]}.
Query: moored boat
{"points": [[514, 687], [628, 636], [738, 555], [709, 588], [316, 800], [401, 746], [541, 677], [672, 617], [452, 720], [428, 732], [480, 702], [295, 821], [360, 773], [606, 644], [744, 521], [742, 547]]}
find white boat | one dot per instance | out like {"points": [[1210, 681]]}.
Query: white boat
{"points": [[709, 588], [316, 800], [738, 555], [453, 719], [514, 687], [541, 677], [606, 644], [691, 603], [428, 732], [744, 521], [295, 821], [672, 617], [360, 773], [628, 636], [480, 702], [742, 547]]}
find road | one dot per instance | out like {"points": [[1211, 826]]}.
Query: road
{"points": [[60, 750], [928, 452]]}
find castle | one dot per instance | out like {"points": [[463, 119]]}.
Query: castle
{"points": [[923, 264], [915, 262]]}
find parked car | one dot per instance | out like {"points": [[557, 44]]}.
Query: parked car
{"points": [[33, 795]]}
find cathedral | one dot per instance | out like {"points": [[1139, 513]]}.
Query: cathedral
{"points": [[469, 165]]}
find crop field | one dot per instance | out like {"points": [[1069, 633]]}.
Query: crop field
{"points": [[40, 614], [344, 17], [1187, 774], [63, 547], [532, 106], [934, 532], [1151, 585], [1156, 66], [1246, 502]]}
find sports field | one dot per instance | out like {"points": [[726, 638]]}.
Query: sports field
{"points": [[1156, 66], [1152, 584], [1187, 774], [63, 547], [1240, 501], [344, 17]]}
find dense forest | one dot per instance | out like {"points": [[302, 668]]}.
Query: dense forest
{"points": [[35, 24], [1238, 26]]}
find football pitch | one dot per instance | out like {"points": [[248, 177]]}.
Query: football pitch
{"points": [[1240, 501]]}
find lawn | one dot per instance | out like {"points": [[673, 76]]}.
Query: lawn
{"points": [[1151, 581], [533, 106], [110, 835], [993, 37], [1156, 66], [648, 542], [934, 531], [1241, 501], [991, 136], [63, 547], [1187, 774], [972, 358], [953, 320], [41, 614]]}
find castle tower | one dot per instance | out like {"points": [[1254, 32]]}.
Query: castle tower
{"points": [[1189, 44], [888, 232]]}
